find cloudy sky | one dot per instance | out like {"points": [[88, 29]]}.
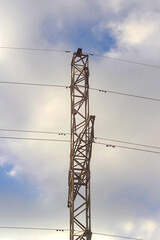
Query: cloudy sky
{"points": [[34, 174]]}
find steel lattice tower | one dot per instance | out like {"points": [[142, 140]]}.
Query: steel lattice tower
{"points": [[82, 136]]}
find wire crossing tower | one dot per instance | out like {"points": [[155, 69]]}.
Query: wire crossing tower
{"points": [[82, 136]]}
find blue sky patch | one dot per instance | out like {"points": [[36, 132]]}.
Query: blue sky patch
{"points": [[87, 40], [79, 35], [20, 186]]}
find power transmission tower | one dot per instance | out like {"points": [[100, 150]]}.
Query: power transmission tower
{"points": [[82, 136]]}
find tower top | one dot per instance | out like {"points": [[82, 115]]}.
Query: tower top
{"points": [[79, 51]]}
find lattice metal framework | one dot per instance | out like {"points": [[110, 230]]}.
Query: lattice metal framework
{"points": [[82, 135]]}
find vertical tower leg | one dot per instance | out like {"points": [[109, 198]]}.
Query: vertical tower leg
{"points": [[82, 135]]}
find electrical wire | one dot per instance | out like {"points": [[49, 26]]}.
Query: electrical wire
{"points": [[68, 141], [63, 230], [35, 84], [116, 236], [32, 131], [125, 60], [125, 94], [34, 139], [130, 143], [71, 51], [37, 49], [66, 133], [34, 228], [130, 148], [91, 88]]}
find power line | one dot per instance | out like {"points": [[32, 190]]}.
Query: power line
{"points": [[125, 60], [37, 49], [67, 87], [66, 133], [130, 143], [35, 84], [125, 94], [68, 141], [116, 236], [34, 228], [130, 148], [32, 131], [34, 139], [63, 230], [71, 51]]}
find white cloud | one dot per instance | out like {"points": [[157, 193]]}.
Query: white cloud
{"points": [[128, 227], [149, 226], [136, 32], [11, 173]]}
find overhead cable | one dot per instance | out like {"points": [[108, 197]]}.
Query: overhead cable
{"points": [[125, 60], [91, 88], [62, 230], [32, 131], [66, 133], [37, 49], [34, 139], [125, 94], [130, 148], [116, 236], [71, 51], [35, 84], [130, 143], [68, 141]]}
